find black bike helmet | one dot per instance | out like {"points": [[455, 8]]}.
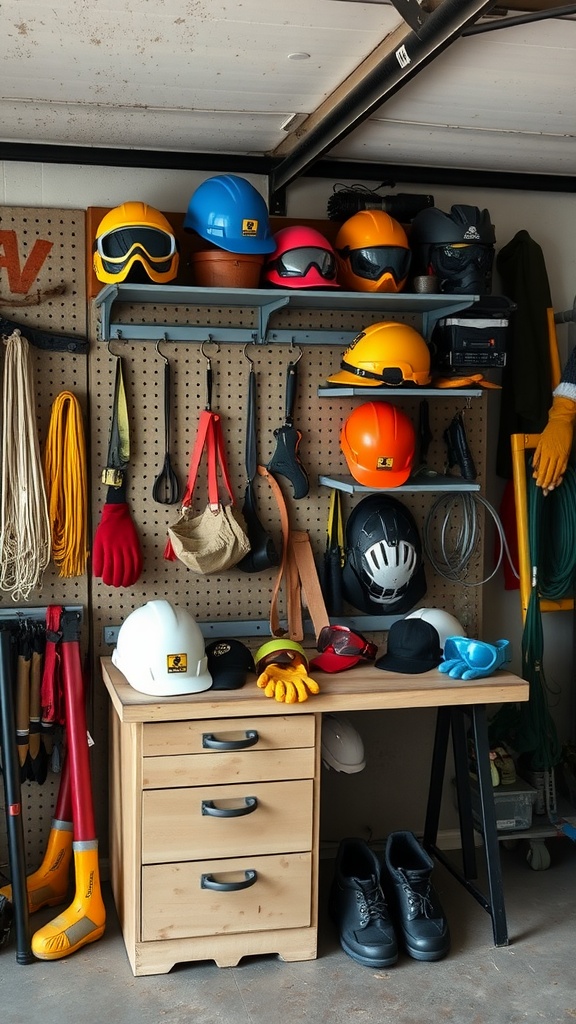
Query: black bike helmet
{"points": [[456, 247], [384, 572]]}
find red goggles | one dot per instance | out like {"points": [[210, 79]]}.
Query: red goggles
{"points": [[342, 640]]}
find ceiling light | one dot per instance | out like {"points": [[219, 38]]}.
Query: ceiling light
{"points": [[299, 55]]}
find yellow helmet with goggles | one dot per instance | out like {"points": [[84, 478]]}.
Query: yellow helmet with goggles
{"points": [[135, 242]]}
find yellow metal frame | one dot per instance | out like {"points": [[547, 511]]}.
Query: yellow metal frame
{"points": [[521, 443]]}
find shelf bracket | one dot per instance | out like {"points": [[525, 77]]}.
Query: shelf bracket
{"points": [[265, 311]]}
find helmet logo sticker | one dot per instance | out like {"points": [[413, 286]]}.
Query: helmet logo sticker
{"points": [[472, 234], [220, 649], [177, 662], [249, 228], [385, 462]]}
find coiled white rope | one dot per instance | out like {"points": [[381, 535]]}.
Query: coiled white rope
{"points": [[24, 521]]}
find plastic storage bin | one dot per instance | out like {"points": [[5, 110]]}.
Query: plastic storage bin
{"points": [[514, 806]]}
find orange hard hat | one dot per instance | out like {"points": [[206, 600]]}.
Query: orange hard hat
{"points": [[378, 441]]}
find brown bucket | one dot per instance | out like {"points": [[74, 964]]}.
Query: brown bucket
{"points": [[216, 268]]}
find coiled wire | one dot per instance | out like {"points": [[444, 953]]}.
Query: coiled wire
{"points": [[452, 534]]}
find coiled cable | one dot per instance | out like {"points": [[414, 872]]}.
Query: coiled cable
{"points": [[452, 535], [66, 484]]}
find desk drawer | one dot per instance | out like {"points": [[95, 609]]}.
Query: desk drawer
{"points": [[176, 904], [276, 732], [239, 766], [275, 817]]}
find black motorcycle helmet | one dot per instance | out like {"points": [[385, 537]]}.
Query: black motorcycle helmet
{"points": [[384, 572], [456, 247]]}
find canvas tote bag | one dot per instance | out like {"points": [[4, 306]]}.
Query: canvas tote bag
{"points": [[215, 539]]}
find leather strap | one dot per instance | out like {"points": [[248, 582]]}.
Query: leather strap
{"points": [[298, 571]]}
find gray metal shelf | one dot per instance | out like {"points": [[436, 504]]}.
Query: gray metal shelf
{"points": [[416, 483], [385, 391], [265, 302]]}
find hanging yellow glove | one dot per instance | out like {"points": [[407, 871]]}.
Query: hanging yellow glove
{"points": [[287, 683], [555, 444]]}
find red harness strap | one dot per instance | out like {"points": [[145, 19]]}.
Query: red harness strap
{"points": [[52, 690]]}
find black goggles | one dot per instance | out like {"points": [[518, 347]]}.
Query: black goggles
{"points": [[373, 263], [118, 245], [450, 258], [345, 641], [297, 263]]}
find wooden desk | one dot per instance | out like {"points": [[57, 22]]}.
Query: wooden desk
{"points": [[195, 876]]}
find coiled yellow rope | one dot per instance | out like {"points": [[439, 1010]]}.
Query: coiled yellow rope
{"points": [[65, 472], [24, 525]]}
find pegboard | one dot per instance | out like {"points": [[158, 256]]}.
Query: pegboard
{"points": [[235, 596], [42, 286], [61, 284]]}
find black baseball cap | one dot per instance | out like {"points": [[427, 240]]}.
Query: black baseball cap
{"points": [[413, 646], [229, 663]]}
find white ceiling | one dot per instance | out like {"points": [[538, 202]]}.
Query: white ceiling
{"points": [[216, 77]]}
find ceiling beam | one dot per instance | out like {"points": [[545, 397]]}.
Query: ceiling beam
{"points": [[331, 170], [398, 59]]}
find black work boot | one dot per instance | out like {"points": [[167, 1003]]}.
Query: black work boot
{"points": [[358, 908], [414, 905]]}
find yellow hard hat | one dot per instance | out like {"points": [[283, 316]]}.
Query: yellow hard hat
{"points": [[386, 353]]}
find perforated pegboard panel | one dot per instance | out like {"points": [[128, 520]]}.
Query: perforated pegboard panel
{"points": [[235, 596], [42, 285]]}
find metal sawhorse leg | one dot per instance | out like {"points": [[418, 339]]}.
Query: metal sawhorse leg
{"points": [[454, 720]]}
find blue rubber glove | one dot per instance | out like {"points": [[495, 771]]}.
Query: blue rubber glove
{"points": [[473, 659]]}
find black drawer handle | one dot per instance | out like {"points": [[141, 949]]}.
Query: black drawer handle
{"points": [[209, 807], [209, 882], [209, 740]]}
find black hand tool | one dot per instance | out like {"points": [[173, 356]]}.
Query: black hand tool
{"points": [[285, 460]]}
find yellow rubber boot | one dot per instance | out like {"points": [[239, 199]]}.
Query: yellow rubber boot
{"points": [[48, 886], [85, 919]]}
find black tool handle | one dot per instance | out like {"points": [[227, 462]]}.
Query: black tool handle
{"points": [[167, 386], [12, 792], [251, 455], [291, 386]]}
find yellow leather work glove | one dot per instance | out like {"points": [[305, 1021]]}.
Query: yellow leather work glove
{"points": [[553, 449], [287, 683]]}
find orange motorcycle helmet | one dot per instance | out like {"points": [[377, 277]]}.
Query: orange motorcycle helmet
{"points": [[372, 252]]}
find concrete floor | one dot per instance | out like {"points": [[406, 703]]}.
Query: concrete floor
{"points": [[530, 980]]}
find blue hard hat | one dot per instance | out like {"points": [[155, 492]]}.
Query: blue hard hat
{"points": [[229, 212]]}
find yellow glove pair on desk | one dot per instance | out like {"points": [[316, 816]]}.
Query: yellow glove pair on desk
{"points": [[283, 671]]}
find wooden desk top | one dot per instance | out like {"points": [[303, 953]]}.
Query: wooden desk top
{"points": [[363, 688]]}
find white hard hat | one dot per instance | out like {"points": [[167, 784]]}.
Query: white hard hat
{"points": [[160, 650], [342, 746], [445, 624]]}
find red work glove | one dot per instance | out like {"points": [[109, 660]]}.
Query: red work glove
{"points": [[116, 551]]}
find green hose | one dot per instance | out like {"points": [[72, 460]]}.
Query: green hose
{"points": [[529, 727]]}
